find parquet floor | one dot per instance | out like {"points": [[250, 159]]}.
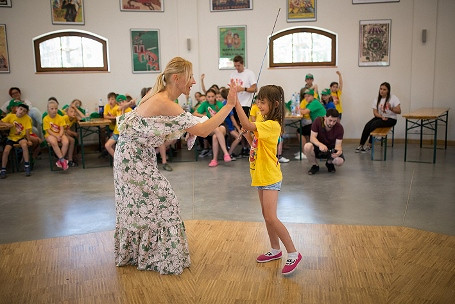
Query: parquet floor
{"points": [[341, 264]]}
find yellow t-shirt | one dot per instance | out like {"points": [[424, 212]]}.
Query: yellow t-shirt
{"points": [[119, 112], [303, 105], [54, 124], [20, 126], [108, 110], [69, 121], [264, 166], [255, 112], [336, 96]]}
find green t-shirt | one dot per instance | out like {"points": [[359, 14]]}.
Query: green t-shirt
{"points": [[316, 109], [203, 108]]}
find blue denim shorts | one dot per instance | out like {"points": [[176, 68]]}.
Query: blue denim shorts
{"points": [[275, 186], [114, 137]]}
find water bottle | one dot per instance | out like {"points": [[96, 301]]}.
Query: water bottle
{"points": [[293, 104], [100, 107], [297, 104], [87, 114]]}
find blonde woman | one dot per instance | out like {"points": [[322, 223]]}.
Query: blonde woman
{"points": [[149, 232]]}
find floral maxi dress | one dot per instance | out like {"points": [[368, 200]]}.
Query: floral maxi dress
{"points": [[149, 232]]}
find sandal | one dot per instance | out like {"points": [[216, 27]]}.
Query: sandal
{"points": [[213, 163]]}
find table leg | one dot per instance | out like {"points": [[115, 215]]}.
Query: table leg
{"points": [[406, 139], [385, 149], [82, 147], [421, 132], [300, 140], [447, 123], [435, 143]]}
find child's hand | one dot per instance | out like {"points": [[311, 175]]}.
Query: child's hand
{"points": [[234, 88], [29, 143]]}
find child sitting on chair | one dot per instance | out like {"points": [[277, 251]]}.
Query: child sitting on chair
{"points": [[71, 118], [123, 107], [19, 133], [54, 133]]}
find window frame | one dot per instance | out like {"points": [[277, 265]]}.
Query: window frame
{"points": [[65, 33], [290, 31]]}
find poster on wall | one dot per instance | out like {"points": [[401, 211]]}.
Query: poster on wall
{"points": [[372, 1], [145, 50], [374, 42], [5, 3], [67, 12], [142, 5], [4, 59], [232, 5], [301, 10], [232, 42]]}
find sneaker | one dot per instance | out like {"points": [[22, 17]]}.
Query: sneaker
{"points": [[28, 171], [366, 149], [300, 155], [2, 174], [64, 164], [167, 167], [59, 164], [227, 158], [72, 164], [233, 158], [291, 265], [204, 153], [314, 169], [267, 257], [358, 149], [330, 167], [283, 159], [213, 163]]}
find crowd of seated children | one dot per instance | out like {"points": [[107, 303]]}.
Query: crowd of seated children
{"points": [[19, 133], [76, 104]]}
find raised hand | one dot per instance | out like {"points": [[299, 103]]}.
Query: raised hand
{"points": [[234, 88]]}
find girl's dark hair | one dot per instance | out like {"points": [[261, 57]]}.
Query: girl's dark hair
{"points": [[144, 91], [273, 94], [387, 85], [224, 93], [332, 83], [329, 100]]}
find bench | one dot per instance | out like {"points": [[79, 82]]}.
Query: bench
{"points": [[382, 134]]}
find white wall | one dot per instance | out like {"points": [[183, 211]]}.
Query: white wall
{"points": [[420, 74]]}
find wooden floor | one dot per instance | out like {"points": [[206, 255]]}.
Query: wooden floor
{"points": [[341, 264]]}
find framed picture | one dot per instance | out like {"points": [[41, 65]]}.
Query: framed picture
{"points": [[5, 3], [372, 1], [67, 12], [232, 5], [231, 42], [4, 59], [374, 42], [145, 50], [142, 5], [301, 10]]}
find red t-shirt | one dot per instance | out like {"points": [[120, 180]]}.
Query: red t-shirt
{"points": [[328, 138]]}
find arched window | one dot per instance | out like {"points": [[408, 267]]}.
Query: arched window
{"points": [[303, 46], [70, 50]]}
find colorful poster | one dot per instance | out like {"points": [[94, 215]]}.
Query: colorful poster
{"points": [[4, 59], [232, 42], [374, 48], [301, 10], [142, 5], [145, 51], [67, 11], [230, 5]]}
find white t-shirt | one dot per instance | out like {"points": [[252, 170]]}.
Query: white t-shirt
{"points": [[245, 79], [393, 101], [3, 108]]}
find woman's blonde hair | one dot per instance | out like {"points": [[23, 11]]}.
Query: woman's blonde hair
{"points": [[177, 65]]}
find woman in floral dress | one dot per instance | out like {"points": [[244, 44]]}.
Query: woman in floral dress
{"points": [[149, 232]]}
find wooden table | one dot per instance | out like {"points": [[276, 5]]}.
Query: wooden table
{"points": [[293, 120], [426, 118], [86, 128]]}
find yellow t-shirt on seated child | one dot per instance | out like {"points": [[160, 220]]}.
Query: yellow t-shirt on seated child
{"points": [[111, 111], [53, 124], [119, 112], [20, 126]]}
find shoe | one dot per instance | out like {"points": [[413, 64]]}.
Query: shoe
{"points": [[28, 171], [227, 158], [64, 164], [358, 149], [330, 167], [204, 153], [283, 159], [59, 164], [2, 174], [314, 169], [366, 149], [213, 163], [267, 257], [72, 164], [291, 265], [167, 167], [245, 152], [300, 154], [233, 158]]}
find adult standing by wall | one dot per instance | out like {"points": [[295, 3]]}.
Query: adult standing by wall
{"points": [[149, 232]]}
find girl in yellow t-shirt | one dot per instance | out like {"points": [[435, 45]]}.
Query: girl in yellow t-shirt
{"points": [[265, 170], [54, 133]]}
